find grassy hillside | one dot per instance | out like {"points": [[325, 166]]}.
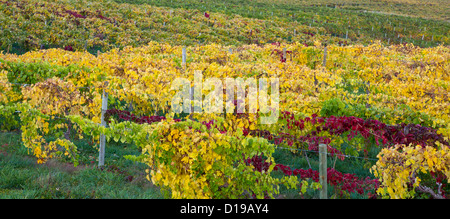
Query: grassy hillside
{"points": [[401, 21], [21, 177], [103, 25]]}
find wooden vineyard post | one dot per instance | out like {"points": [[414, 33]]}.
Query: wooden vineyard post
{"points": [[325, 56], [101, 154], [323, 170], [184, 57], [284, 54], [195, 94]]}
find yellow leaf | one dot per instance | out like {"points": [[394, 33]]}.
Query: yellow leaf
{"points": [[304, 187], [240, 124], [185, 160], [208, 167], [95, 119]]}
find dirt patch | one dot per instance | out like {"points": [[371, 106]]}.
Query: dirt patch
{"points": [[3, 149], [63, 167]]}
